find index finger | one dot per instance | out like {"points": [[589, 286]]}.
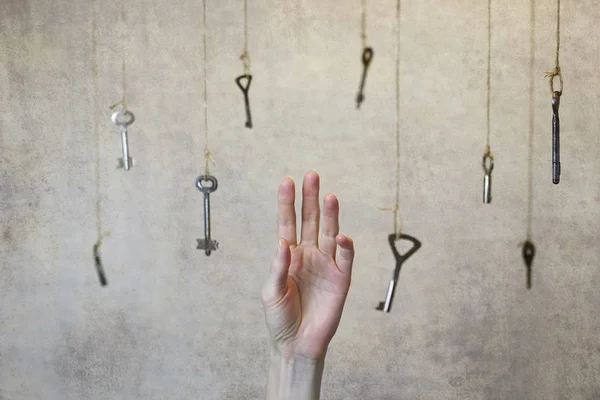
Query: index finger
{"points": [[286, 213]]}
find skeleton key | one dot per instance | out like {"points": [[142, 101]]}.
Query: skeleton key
{"points": [[123, 119], [207, 244], [487, 179], [555, 138], [528, 254], [367, 56], [99, 268], [245, 89], [386, 305]]}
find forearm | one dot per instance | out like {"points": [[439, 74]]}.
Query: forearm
{"points": [[294, 378]]}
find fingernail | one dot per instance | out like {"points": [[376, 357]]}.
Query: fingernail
{"points": [[280, 245]]}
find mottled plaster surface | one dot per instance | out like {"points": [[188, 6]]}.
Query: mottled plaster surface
{"points": [[175, 324]]}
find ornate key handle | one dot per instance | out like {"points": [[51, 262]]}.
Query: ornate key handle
{"points": [[245, 88], [206, 178], [123, 118], [488, 165], [386, 305]]}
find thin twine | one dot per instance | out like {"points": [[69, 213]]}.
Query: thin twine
{"points": [[531, 121], [396, 208], [489, 73], [123, 101], [245, 57], [96, 127], [556, 70], [207, 154], [363, 23]]}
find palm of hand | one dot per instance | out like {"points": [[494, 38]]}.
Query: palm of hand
{"points": [[304, 303]]}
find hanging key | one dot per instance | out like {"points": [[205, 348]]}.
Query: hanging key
{"points": [[555, 138], [245, 89], [528, 254], [386, 305], [207, 244], [99, 267], [367, 56], [123, 119], [488, 166]]}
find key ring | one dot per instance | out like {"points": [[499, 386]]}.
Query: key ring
{"points": [[206, 189], [128, 115], [488, 157]]}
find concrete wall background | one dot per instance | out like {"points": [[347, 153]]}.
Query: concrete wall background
{"points": [[175, 324]]}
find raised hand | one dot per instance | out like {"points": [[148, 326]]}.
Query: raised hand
{"points": [[304, 295]]}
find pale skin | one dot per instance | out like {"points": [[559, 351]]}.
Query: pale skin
{"points": [[304, 294]]}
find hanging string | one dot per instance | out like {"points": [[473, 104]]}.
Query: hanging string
{"points": [[123, 101], [99, 234], [207, 154], [531, 121], [96, 128], [363, 23], [556, 70], [245, 57], [396, 208], [487, 151]]}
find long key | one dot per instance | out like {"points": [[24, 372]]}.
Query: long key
{"points": [[207, 244], [528, 254], [555, 138], [386, 305], [367, 56], [99, 267], [488, 166], [245, 90], [123, 119]]}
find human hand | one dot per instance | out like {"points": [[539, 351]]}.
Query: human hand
{"points": [[303, 297]]}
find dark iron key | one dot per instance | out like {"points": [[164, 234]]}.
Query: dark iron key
{"points": [[386, 305], [99, 268], [207, 244], [555, 138], [367, 56], [245, 89], [528, 254]]}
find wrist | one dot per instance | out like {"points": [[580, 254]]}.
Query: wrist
{"points": [[293, 377]]}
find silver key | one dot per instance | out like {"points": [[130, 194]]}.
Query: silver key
{"points": [[487, 179], [123, 119], [207, 244]]}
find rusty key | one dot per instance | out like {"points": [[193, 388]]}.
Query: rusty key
{"points": [[367, 56], [245, 89]]}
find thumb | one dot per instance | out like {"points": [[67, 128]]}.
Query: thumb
{"points": [[276, 284]]}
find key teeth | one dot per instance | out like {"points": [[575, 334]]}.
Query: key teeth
{"points": [[121, 164], [203, 244]]}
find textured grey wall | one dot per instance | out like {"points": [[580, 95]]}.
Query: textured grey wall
{"points": [[175, 324]]}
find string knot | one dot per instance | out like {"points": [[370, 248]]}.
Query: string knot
{"points": [[487, 153], [554, 72], [121, 103], [245, 57]]}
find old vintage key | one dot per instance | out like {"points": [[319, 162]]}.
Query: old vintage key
{"points": [[386, 305], [207, 244], [488, 166], [367, 56], [528, 254], [555, 138], [99, 267], [123, 119], [245, 90]]}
